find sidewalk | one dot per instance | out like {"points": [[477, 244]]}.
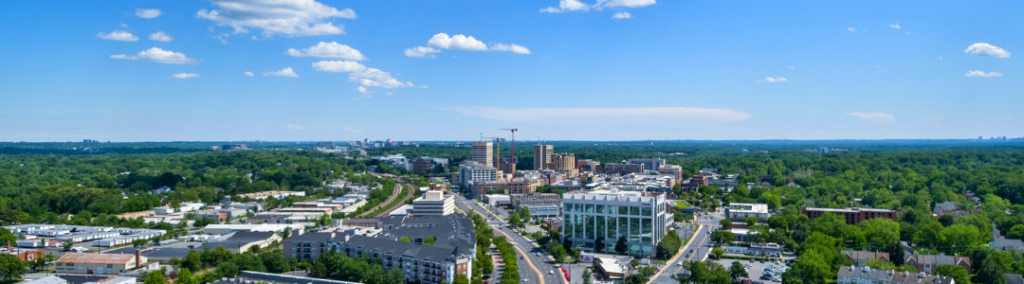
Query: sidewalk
{"points": [[679, 254]]}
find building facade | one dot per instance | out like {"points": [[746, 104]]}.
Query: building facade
{"points": [[474, 172], [623, 169], [652, 164], [852, 216], [542, 156], [535, 199], [422, 165], [564, 162], [483, 152], [866, 275], [607, 216], [740, 211], [101, 264], [672, 170], [433, 203]]}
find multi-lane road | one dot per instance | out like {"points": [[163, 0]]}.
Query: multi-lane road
{"points": [[535, 266], [697, 250]]}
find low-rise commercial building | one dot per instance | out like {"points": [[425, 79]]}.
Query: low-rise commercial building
{"points": [[740, 211], [535, 199], [244, 241], [606, 216], [95, 263], [852, 216], [433, 203]]}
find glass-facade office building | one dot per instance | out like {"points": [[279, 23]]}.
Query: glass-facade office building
{"points": [[609, 215]]}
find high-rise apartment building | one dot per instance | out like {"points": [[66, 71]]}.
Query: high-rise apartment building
{"points": [[472, 171], [606, 216], [564, 162], [483, 152], [542, 156]]}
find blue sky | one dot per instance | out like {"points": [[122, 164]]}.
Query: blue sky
{"points": [[557, 70]]}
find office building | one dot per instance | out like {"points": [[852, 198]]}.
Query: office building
{"points": [[741, 211], [483, 152], [95, 263], [433, 203], [475, 172], [544, 211], [852, 216], [867, 275], [605, 216], [422, 165], [506, 165], [535, 199], [672, 170], [588, 165], [623, 169], [513, 186], [652, 164], [564, 162], [542, 156]]}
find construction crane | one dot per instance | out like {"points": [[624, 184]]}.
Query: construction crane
{"points": [[497, 142], [514, 161]]}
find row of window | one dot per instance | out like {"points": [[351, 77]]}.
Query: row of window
{"points": [[578, 226]]}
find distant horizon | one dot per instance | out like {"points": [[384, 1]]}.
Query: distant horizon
{"points": [[988, 139]]}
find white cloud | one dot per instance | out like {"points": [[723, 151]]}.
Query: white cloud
{"points": [[285, 17], [602, 116], [248, 73], [792, 67], [118, 36], [294, 126], [979, 73], [368, 77], [459, 42], [895, 26], [389, 94], [874, 116], [363, 90], [147, 13], [184, 76], [287, 72], [160, 36], [328, 50], [421, 51], [622, 15], [987, 50], [514, 48], [567, 6], [625, 3], [772, 80], [158, 55], [851, 29], [338, 66]]}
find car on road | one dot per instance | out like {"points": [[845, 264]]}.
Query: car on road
{"points": [[524, 279], [551, 272], [679, 263]]}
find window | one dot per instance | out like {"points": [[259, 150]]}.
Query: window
{"points": [[601, 230], [590, 226], [633, 210], [600, 208], [623, 228], [646, 211], [645, 230], [590, 208], [567, 207], [634, 229], [612, 209], [623, 210]]}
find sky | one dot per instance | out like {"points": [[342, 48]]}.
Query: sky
{"points": [[303, 70]]}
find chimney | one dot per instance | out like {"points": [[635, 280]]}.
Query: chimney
{"points": [[138, 258]]}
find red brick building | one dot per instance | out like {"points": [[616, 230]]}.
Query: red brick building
{"points": [[852, 216]]}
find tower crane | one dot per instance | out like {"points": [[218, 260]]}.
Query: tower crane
{"points": [[497, 142], [514, 161]]}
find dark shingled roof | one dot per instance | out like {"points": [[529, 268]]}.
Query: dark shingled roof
{"points": [[278, 279], [397, 248], [239, 239], [453, 231]]}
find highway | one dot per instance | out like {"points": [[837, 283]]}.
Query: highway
{"points": [[698, 249], [525, 248]]}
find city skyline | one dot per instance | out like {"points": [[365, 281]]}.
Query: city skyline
{"points": [[616, 70]]}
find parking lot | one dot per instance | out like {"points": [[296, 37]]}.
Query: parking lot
{"points": [[755, 269]]}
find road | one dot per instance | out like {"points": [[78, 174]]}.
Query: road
{"points": [[698, 249], [525, 248]]}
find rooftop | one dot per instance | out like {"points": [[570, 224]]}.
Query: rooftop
{"points": [[96, 258]]}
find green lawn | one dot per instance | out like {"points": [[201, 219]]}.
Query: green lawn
{"points": [[681, 204]]}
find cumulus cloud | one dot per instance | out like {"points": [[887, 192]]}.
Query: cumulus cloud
{"points": [[851, 29], [156, 54], [772, 80], [147, 13], [184, 76], [577, 6], [118, 36], [160, 36], [514, 48], [602, 116], [284, 17], [389, 94], [367, 77], [984, 49], [625, 3], [328, 50], [979, 73], [622, 15], [248, 73], [421, 51], [895, 26], [363, 90], [874, 116], [287, 72], [459, 42]]}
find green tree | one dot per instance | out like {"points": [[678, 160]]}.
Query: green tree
{"points": [[717, 252], [620, 246], [1017, 232], [515, 221], [430, 241], [405, 240], [634, 279], [751, 221], [557, 252], [11, 268], [525, 214], [959, 274], [880, 231], [586, 276], [285, 233], [185, 277], [155, 277], [737, 271], [192, 261], [722, 237], [459, 279], [68, 244], [726, 222]]}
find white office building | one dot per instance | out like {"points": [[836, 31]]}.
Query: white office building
{"points": [[433, 203], [471, 171], [606, 216], [741, 211]]}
